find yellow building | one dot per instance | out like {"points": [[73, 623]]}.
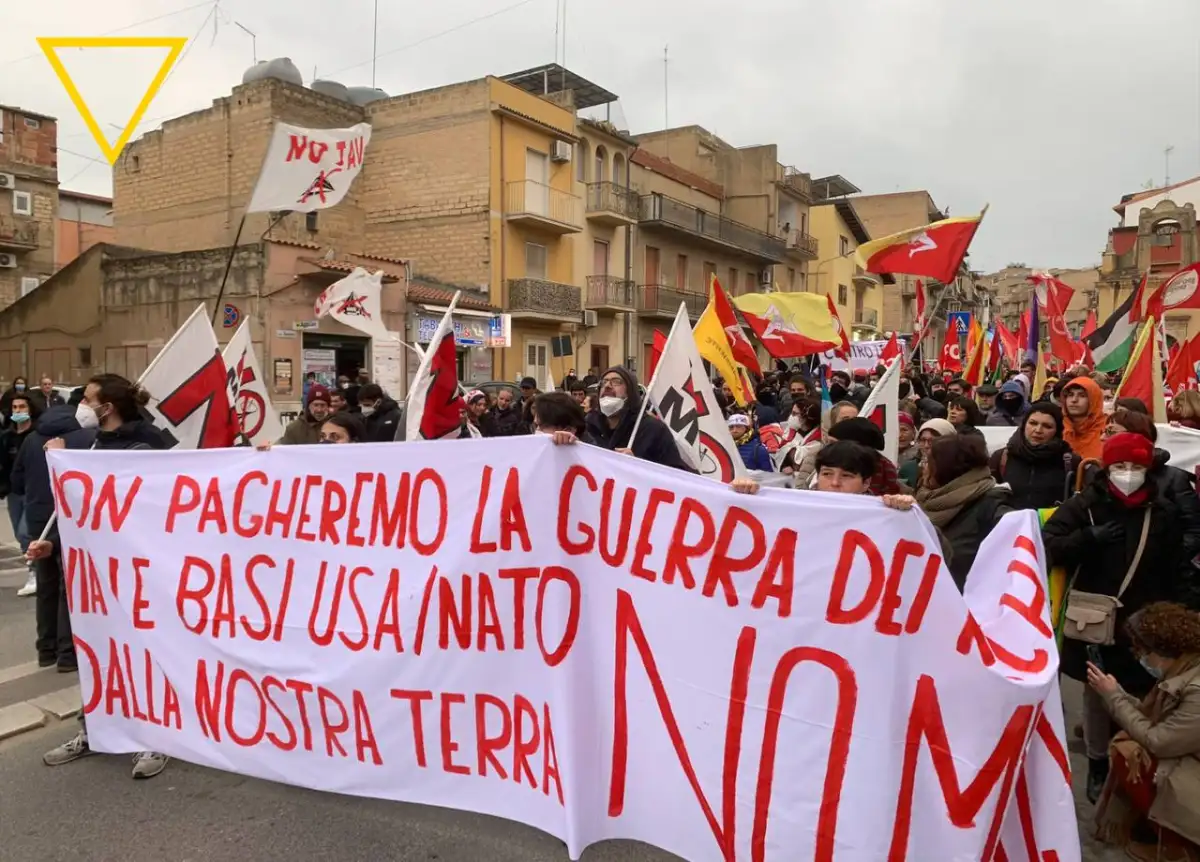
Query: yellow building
{"points": [[857, 294]]}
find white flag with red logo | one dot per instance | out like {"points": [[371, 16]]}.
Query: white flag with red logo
{"points": [[883, 409], [254, 413], [308, 169], [434, 406], [355, 301], [188, 385]]}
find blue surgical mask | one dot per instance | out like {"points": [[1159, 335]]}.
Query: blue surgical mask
{"points": [[1156, 672], [20, 387], [18, 418]]}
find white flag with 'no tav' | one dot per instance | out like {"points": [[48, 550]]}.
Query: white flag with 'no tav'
{"points": [[255, 415], [681, 391], [309, 169], [355, 301]]}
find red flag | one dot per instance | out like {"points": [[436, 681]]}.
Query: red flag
{"points": [[1083, 354], [921, 321], [976, 363], [1181, 290], [1143, 375], [1090, 326], [951, 353], [1052, 287], [656, 352], [996, 353], [1023, 334], [435, 408], [739, 344], [1008, 342], [890, 350], [1061, 343], [842, 352], [933, 250], [1184, 366]]}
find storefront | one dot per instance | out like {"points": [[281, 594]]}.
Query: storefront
{"points": [[475, 334], [324, 358]]}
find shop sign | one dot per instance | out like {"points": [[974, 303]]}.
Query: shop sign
{"points": [[500, 331], [285, 333], [468, 331], [305, 324]]}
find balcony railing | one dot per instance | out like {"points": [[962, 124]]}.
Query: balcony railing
{"points": [[611, 202], [18, 233], [538, 205], [798, 181], [801, 243], [663, 301], [538, 298], [609, 291], [866, 317], [662, 211]]}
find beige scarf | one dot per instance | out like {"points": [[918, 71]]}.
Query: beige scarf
{"points": [[942, 505]]}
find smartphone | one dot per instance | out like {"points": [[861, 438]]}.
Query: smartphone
{"points": [[1093, 654]]}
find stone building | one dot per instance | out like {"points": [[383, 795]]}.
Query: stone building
{"points": [[28, 200], [1013, 293], [83, 221]]}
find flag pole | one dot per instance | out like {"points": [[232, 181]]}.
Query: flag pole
{"points": [[653, 378], [228, 265]]}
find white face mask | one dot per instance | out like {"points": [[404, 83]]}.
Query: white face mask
{"points": [[610, 405], [1127, 480], [367, 411], [794, 422], [86, 416]]}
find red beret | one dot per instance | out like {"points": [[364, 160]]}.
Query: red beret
{"points": [[318, 393], [1130, 447]]}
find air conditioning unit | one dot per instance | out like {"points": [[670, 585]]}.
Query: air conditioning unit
{"points": [[8, 181], [766, 276], [8, 261], [560, 152], [590, 318]]}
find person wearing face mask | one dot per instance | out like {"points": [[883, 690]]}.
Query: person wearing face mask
{"points": [[381, 414], [24, 412], [803, 429], [1153, 783], [305, 429], [1037, 464], [839, 386], [343, 428], [754, 454], [1119, 537], [19, 387], [1010, 407], [612, 425]]}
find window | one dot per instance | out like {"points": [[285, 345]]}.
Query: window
{"points": [[710, 269], [801, 285], [601, 168], [31, 123], [843, 246], [681, 271], [535, 260], [791, 278], [842, 294], [310, 221], [619, 169], [28, 285], [751, 282], [599, 257], [85, 357], [732, 284], [581, 161], [22, 203]]}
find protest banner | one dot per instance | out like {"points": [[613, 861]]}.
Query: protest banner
{"points": [[866, 355], [578, 640], [254, 413], [1182, 444], [308, 169]]}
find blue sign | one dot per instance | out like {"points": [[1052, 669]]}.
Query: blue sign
{"points": [[961, 321]]}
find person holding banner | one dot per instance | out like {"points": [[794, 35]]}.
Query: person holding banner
{"points": [[843, 467], [612, 425], [306, 428], [561, 418], [342, 427], [380, 413]]}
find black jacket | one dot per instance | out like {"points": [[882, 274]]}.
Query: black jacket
{"points": [[139, 434], [1040, 477], [508, 423], [654, 441], [1178, 487], [381, 425], [1163, 574], [31, 475], [10, 446], [970, 527]]}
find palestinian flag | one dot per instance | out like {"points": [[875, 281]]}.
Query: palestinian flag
{"points": [[1112, 343]]}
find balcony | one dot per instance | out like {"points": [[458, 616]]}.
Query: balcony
{"points": [[611, 204], [867, 318], [798, 183], [18, 234], [659, 300], [801, 245], [538, 299], [536, 205], [665, 213], [609, 293], [864, 278]]}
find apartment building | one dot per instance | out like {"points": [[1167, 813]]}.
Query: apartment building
{"points": [[760, 193], [28, 200], [83, 221], [1014, 292], [857, 294]]}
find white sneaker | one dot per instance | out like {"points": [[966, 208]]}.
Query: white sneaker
{"points": [[147, 764], [30, 588]]}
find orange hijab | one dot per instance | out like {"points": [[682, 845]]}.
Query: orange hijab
{"points": [[1086, 436]]}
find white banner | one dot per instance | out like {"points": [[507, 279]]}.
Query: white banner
{"points": [[1182, 444], [188, 384], [308, 169], [255, 414], [863, 354], [683, 395], [356, 301], [570, 638]]}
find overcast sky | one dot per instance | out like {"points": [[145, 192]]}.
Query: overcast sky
{"points": [[1049, 110]]}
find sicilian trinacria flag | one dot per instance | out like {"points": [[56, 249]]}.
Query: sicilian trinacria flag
{"points": [[934, 250], [790, 324], [308, 169]]}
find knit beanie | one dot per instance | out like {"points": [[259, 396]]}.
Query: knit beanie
{"points": [[1130, 447]]}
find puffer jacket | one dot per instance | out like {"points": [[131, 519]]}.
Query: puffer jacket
{"points": [[654, 441], [1179, 487]]}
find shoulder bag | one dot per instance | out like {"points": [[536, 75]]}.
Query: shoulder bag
{"points": [[1092, 617]]}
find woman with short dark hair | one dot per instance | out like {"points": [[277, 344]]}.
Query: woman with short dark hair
{"points": [[557, 415], [964, 414], [1037, 464], [343, 427]]}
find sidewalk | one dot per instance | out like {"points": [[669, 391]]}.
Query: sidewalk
{"points": [[29, 696]]}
